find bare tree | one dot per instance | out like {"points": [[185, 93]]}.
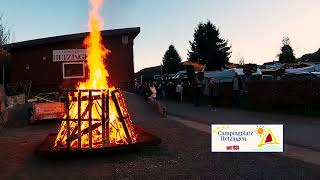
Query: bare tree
{"points": [[5, 37], [286, 40], [241, 61], [4, 32]]}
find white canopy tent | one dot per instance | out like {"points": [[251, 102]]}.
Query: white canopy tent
{"points": [[228, 74], [312, 68]]}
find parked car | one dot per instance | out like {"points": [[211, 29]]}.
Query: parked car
{"points": [[180, 75]]}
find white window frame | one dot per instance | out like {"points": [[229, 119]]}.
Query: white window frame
{"points": [[73, 77]]}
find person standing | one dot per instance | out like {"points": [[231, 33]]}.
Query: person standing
{"points": [[145, 91], [163, 90], [214, 89], [159, 89], [153, 91], [179, 90], [197, 86], [154, 102], [181, 94], [236, 87], [136, 85]]}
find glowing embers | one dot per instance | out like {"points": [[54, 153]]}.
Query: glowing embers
{"points": [[95, 119], [103, 125]]}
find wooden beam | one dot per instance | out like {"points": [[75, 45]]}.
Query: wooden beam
{"points": [[103, 119], [68, 122], [79, 120], [106, 108], [122, 120], [90, 119], [84, 131], [85, 98]]}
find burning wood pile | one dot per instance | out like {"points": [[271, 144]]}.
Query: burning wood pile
{"points": [[96, 113], [100, 116]]}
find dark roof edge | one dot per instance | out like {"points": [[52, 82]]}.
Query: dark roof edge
{"points": [[112, 32]]}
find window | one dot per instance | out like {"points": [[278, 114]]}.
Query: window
{"points": [[73, 70], [125, 40]]}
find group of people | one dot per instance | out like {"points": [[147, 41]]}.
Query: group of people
{"points": [[155, 91], [161, 90], [216, 91]]}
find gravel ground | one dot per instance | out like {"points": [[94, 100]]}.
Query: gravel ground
{"points": [[183, 154], [298, 130]]}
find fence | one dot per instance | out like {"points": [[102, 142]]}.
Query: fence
{"points": [[284, 95]]}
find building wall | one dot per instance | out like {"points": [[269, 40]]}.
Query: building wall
{"points": [[47, 76]]}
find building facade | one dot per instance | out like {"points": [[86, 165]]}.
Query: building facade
{"points": [[60, 62]]}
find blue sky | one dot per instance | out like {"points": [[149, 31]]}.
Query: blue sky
{"points": [[254, 28]]}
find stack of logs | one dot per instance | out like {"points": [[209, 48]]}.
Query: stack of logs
{"points": [[77, 96]]}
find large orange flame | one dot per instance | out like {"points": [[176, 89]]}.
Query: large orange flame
{"points": [[98, 80], [96, 51]]}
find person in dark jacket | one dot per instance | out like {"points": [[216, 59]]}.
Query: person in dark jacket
{"points": [[214, 92], [146, 91], [237, 85], [197, 86]]}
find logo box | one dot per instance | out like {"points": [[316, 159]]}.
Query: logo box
{"points": [[247, 138]]}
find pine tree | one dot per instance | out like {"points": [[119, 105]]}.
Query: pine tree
{"points": [[209, 48], [287, 54], [171, 61]]}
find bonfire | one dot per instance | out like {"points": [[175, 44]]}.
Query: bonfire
{"points": [[96, 118], [97, 114]]}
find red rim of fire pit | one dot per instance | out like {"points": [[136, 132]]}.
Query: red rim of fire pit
{"points": [[144, 139]]}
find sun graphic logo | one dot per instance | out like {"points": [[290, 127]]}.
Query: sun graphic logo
{"points": [[260, 130], [267, 137]]}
